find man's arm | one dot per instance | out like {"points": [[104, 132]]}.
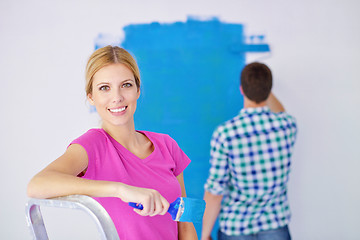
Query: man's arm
{"points": [[274, 104], [213, 205]]}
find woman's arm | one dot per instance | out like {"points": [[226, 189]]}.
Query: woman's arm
{"points": [[59, 178], [186, 229]]}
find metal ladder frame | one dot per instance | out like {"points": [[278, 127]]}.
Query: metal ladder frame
{"points": [[102, 219]]}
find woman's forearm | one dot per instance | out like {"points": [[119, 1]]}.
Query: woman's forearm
{"points": [[187, 231], [51, 184]]}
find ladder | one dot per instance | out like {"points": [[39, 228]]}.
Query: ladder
{"points": [[102, 219]]}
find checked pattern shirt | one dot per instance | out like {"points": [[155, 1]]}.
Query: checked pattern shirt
{"points": [[250, 166]]}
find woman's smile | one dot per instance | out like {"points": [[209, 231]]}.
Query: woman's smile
{"points": [[117, 110]]}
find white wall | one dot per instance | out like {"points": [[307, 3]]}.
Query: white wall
{"points": [[314, 56]]}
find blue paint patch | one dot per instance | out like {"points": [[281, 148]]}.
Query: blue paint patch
{"points": [[190, 83], [92, 109]]}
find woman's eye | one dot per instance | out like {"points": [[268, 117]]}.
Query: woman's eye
{"points": [[104, 88], [127, 85]]}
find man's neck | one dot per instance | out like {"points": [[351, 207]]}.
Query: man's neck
{"points": [[251, 104]]}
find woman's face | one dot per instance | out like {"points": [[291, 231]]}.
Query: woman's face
{"points": [[114, 94]]}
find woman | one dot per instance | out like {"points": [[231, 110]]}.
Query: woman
{"points": [[118, 164]]}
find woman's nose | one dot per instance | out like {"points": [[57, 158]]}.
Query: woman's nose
{"points": [[118, 97]]}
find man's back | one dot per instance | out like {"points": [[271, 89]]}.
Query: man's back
{"points": [[250, 165]]}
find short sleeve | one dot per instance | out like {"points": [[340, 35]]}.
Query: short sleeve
{"points": [[219, 170], [291, 125], [180, 158], [89, 141]]}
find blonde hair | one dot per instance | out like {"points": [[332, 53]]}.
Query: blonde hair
{"points": [[109, 55]]}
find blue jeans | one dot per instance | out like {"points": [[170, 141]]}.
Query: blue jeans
{"points": [[274, 234]]}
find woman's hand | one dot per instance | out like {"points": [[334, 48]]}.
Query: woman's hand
{"points": [[152, 201]]}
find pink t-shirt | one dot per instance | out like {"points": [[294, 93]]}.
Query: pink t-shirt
{"points": [[110, 161]]}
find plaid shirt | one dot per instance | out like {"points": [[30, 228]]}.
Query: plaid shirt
{"points": [[250, 165]]}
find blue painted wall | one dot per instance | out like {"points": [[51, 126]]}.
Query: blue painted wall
{"points": [[190, 83]]}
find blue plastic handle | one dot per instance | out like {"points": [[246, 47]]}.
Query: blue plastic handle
{"points": [[136, 205]]}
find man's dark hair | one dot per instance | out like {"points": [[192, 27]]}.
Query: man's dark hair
{"points": [[256, 81]]}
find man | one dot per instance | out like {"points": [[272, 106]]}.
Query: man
{"points": [[250, 165]]}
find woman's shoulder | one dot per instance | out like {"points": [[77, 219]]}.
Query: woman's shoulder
{"points": [[158, 136], [92, 135], [161, 140]]}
